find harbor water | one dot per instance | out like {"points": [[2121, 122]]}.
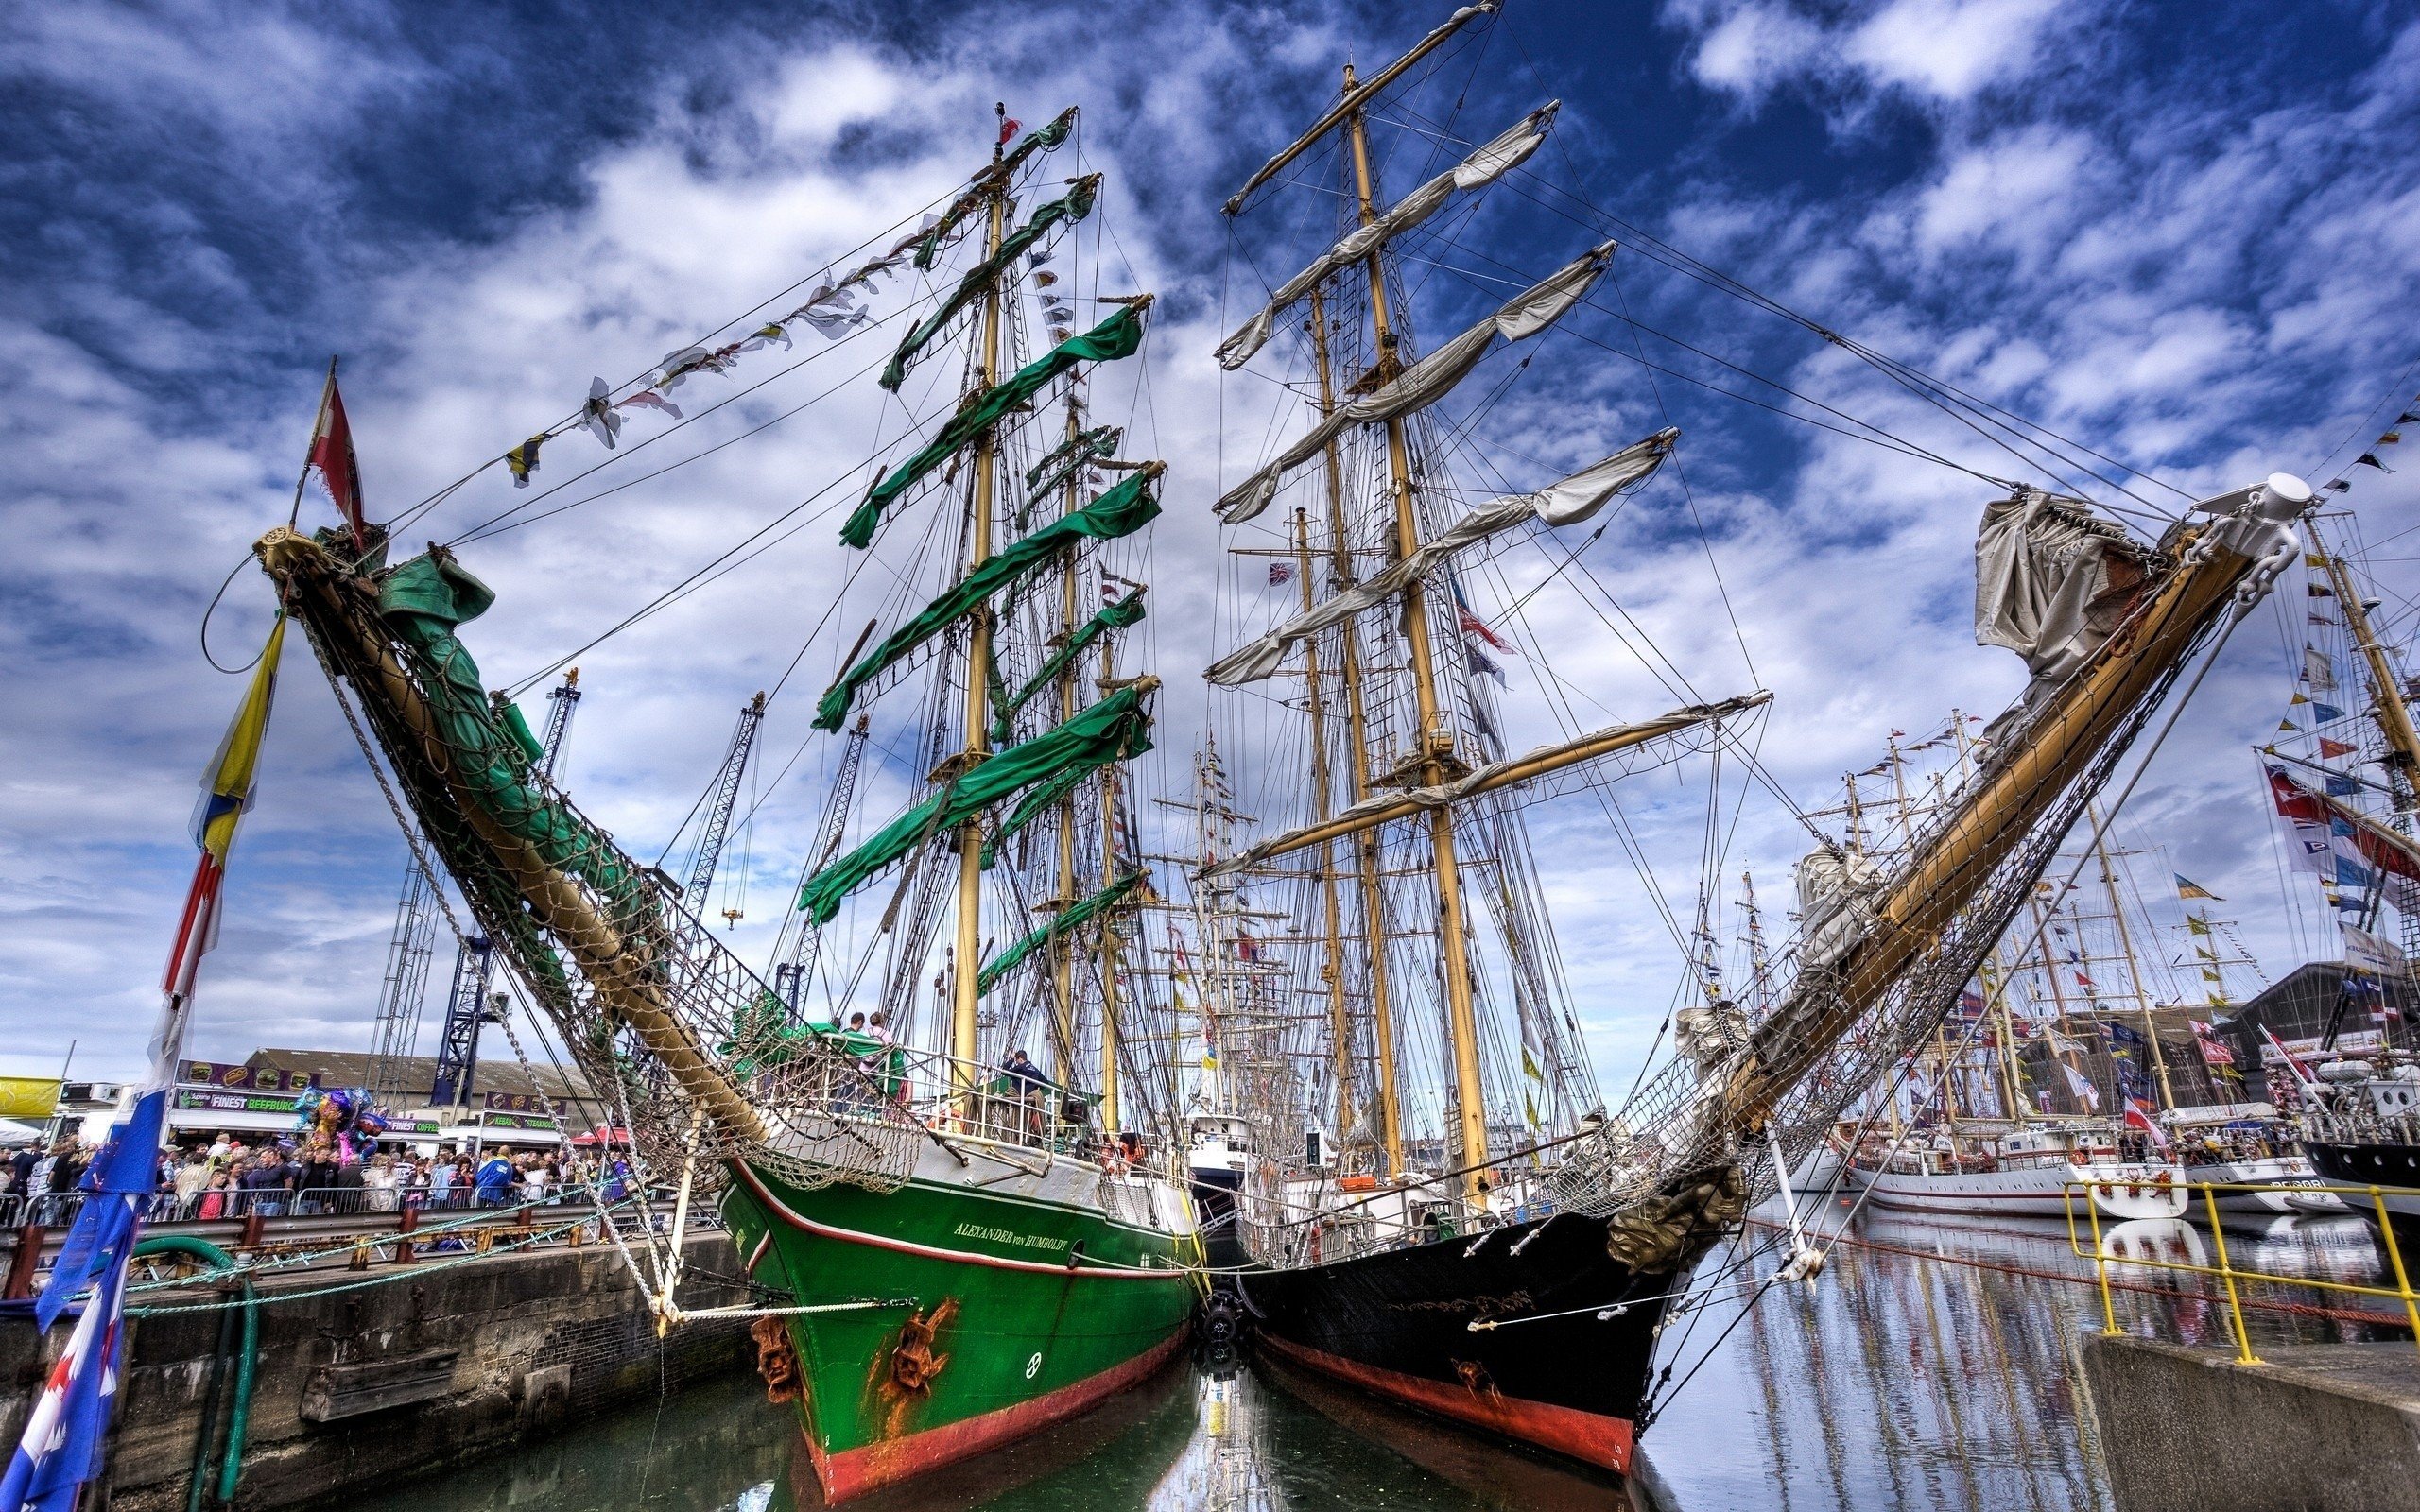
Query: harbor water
{"points": [[1933, 1365]]}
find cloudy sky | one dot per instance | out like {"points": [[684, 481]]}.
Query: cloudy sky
{"points": [[2186, 237]]}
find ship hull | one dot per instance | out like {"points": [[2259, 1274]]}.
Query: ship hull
{"points": [[2393, 1169], [2121, 1192], [1398, 1323], [972, 1340]]}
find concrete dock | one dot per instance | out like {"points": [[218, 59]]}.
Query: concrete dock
{"points": [[2313, 1428]]}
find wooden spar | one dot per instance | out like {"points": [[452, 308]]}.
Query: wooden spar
{"points": [[618, 972], [1605, 743], [1349, 108], [965, 1047], [1356, 738], [2134, 964], [2394, 716], [2061, 741], [1436, 740], [1322, 805]]}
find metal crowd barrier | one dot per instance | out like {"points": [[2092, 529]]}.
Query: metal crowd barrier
{"points": [[346, 1228], [2233, 1279]]}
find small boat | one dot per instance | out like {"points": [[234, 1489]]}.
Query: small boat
{"points": [[2037, 1170]]}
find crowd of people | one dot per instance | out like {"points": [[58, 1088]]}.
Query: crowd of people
{"points": [[223, 1177]]}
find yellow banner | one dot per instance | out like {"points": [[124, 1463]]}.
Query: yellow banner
{"points": [[28, 1096]]}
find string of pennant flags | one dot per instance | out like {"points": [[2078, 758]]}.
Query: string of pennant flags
{"points": [[2392, 435], [836, 308]]}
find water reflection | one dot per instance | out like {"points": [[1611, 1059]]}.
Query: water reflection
{"points": [[1936, 1364], [1933, 1366]]}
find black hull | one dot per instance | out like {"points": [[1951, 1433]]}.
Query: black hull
{"points": [[1398, 1322], [2393, 1169]]}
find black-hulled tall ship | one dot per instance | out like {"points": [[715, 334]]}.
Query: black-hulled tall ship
{"points": [[2342, 771], [1441, 1209]]}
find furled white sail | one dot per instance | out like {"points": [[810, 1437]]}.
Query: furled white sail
{"points": [[1429, 379], [1485, 164], [2052, 582], [1570, 502]]}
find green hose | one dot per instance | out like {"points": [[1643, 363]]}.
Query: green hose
{"points": [[231, 1469]]}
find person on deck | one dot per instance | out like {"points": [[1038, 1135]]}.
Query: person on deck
{"points": [[1029, 1087]]}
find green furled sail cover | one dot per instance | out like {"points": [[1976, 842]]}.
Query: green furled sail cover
{"points": [[423, 600], [1074, 206], [1046, 139], [1120, 335], [1066, 922], [1116, 616], [1113, 730], [1121, 512], [1066, 460]]}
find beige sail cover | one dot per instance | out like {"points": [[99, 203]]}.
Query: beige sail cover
{"points": [[2052, 582], [1570, 502], [1485, 164], [1429, 379]]}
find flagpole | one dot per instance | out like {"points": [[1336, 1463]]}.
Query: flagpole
{"points": [[294, 515]]}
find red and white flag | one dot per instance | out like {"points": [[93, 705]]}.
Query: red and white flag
{"points": [[332, 454], [2138, 1116]]}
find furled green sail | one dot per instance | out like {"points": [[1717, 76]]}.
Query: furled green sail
{"points": [[1067, 920], [1120, 335], [1121, 512], [1072, 207], [1116, 616], [1113, 730], [1042, 141], [423, 600], [1064, 462]]}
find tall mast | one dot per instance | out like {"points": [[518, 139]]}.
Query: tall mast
{"points": [[1061, 949], [2133, 966], [1323, 807], [1109, 945], [1436, 741], [1357, 741], [2394, 716], [964, 1042]]}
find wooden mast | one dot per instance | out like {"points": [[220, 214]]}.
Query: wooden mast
{"points": [[1322, 805], [1108, 944], [1357, 741], [2394, 716], [1436, 740], [964, 1045], [2134, 964], [1061, 949]]}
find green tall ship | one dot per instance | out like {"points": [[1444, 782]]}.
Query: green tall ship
{"points": [[953, 1243]]}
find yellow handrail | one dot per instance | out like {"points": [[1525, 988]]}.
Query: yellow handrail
{"points": [[2226, 1271]]}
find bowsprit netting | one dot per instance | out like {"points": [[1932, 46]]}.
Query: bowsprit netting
{"points": [[661, 1018]]}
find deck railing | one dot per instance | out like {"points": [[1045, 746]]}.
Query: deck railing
{"points": [[2232, 1278]]}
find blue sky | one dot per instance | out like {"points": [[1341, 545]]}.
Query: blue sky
{"points": [[2188, 236]]}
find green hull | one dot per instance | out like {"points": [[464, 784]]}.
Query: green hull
{"points": [[983, 1330]]}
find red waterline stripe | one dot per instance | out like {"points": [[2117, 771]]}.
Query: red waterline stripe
{"points": [[1589, 1436], [961, 1256], [852, 1472]]}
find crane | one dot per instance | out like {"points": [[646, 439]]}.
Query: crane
{"points": [[468, 1002], [721, 799], [404, 988], [795, 959], [559, 703]]}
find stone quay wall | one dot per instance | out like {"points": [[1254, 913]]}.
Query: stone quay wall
{"points": [[437, 1365]]}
